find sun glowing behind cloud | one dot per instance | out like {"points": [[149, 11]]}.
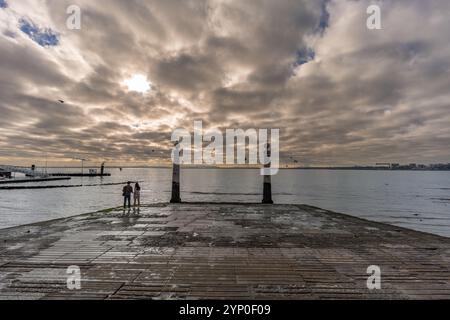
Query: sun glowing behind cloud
{"points": [[138, 83]]}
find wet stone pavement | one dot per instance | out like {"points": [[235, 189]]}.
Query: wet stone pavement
{"points": [[221, 251]]}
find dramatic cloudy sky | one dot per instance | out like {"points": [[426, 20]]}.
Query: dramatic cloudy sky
{"points": [[340, 93]]}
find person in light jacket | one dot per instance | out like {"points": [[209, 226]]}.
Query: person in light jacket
{"points": [[137, 194]]}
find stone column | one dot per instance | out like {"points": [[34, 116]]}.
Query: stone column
{"points": [[176, 176], [267, 191]]}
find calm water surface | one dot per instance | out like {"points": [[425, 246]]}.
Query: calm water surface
{"points": [[416, 200]]}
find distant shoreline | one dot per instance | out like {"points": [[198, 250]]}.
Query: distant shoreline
{"points": [[368, 168]]}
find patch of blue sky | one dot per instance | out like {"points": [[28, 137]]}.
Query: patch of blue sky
{"points": [[304, 56], [324, 20], [44, 37]]}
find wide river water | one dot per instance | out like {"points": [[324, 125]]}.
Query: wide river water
{"points": [[417, 200]]}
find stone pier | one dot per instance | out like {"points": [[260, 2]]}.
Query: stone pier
{"points": [[221, 251]]}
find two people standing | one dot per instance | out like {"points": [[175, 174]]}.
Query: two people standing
{"points": [[126, 193]]}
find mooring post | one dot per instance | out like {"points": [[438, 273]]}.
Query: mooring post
{"points": [[176, 175], [267, 192]]}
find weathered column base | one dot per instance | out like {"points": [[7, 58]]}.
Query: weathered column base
{"points": [[175, 193], [267, 193]]}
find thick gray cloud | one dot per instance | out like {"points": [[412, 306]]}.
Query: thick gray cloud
{"points": [[340, 93]]}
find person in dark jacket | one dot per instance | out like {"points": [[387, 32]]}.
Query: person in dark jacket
{"points": [[126, 192]]}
